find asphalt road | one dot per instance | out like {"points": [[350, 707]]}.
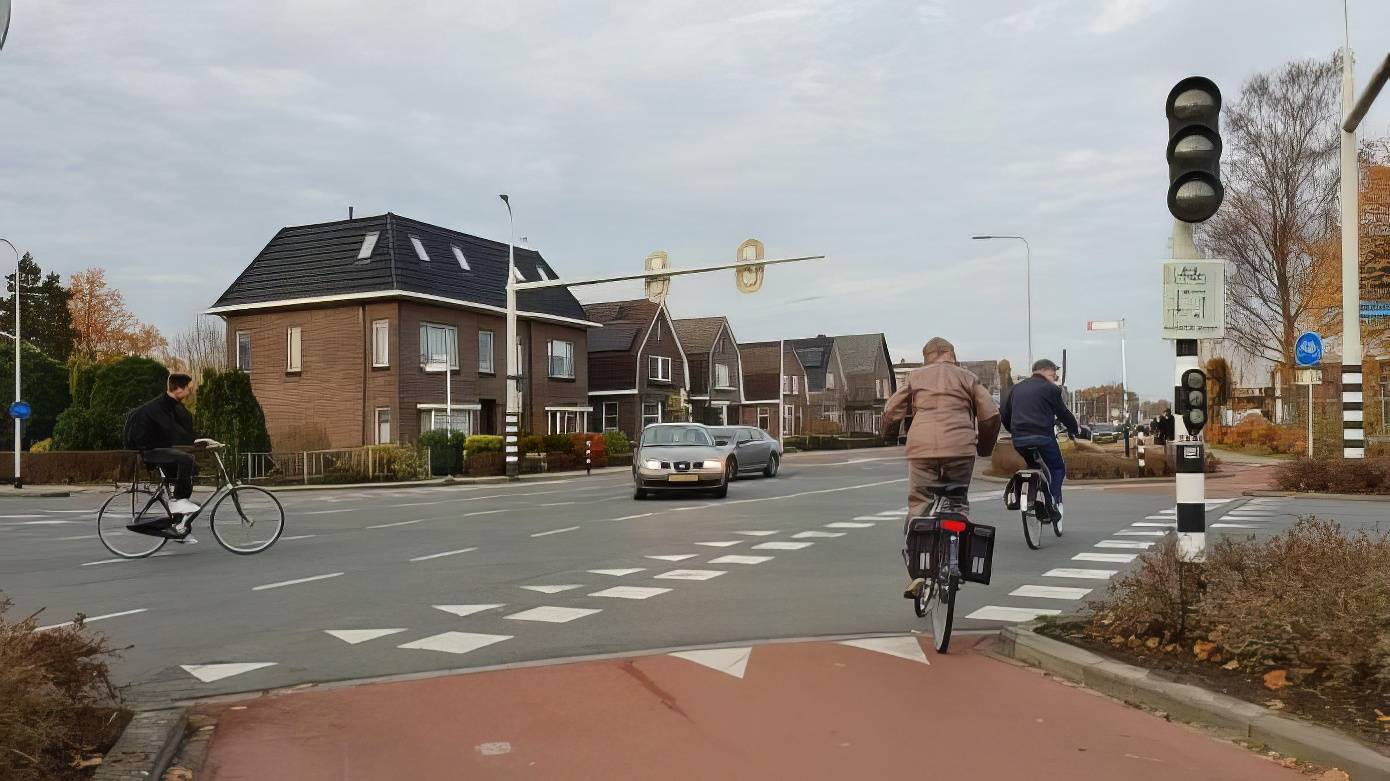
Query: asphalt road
{"points": [[437, 578]]}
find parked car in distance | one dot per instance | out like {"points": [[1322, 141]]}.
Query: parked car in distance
{"points": [[1104, 434], [680, 457], [753, 450]]}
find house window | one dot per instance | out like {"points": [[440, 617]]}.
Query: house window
{"points": [[383, 425], [764, 418], [293, 340], [788, 421], [721, 376], [830, 380], [243, 351], [368, 244], [658, 332], [419, 249], [439, 343], [485, 353], [660, 368], [458, 255], [610, 416], [567, 421], [651, 413], [561, 358], [458, 420], [796, 384], [381, 343]]}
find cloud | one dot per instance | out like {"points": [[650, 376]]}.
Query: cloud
{"points": [[1116, 15], [932, 12], [1027, 19]]}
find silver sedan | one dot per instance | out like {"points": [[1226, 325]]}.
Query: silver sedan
{"points": [[680, 457]]}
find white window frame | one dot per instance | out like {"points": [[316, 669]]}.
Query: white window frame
{"points": [[796, 385], [654, 365], [243, 362], [789, 421], [419, 249], [724, 382], [435, 417], [452, 348], [658, 332], [648, 419], [459, 256], [378, 421], [566, 371], [294, 349], [368, 244], [764, 418], [610, 411], [381, 343], [566, 420], [830, 380], [486, 364]]}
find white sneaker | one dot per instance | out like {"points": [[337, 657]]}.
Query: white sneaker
{"points": [[182, 507], [1058, 508]]}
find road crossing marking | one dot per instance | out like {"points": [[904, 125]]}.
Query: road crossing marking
{"points": [[720, 543], [1139, 533], [355, 636], [1114, 558], [295, 582], [782, 545], [847, 525], [553, 615], [826, 535], [1124, 544], [1050, 592], [1090, 574], [1169, 524], [730, 661], [90, 619], [553, 589], [630, 592], [445, 553], [867, 518], [454, 642], [905, 647], [690, 574], [757, 533], [556, 531], [674, 557], [891, 513], [741, 559], [209, 673], [617, 573], [1014, 614], [465, 610], [397, 523], [1233, 526]]}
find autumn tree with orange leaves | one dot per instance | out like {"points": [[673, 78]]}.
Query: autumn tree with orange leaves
{"points": [[103, 328]]}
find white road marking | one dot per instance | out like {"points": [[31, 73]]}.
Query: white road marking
{"points": [[674, 557], [867, 518], [90, 619], [49, 522], [297, 537], [784, 545], [122, 561], [1016, 614], [1233, 526], [720, 543], [454, 642], [556, 531], [827, 535], [208, 673], [1140, 533], [901, 647], [1050, 592], [630, 592], [332, 512], [690, 574], [465, 610], [1169, 524], [355, 636], [757, 534], [1160, 518], [690, 507], [445, 553], [558, 504], [741, 559], [1090, 574], [493, 749], [10, 517], [74, 512], [1113, 558], [629, 517], [296, 581], [553, 615], [78, 537], [847, 525], [730, 661], [553, 589], [397, 523], [487, 512], [617, 573], [784, 497], [1131, 544], [891, 513]]}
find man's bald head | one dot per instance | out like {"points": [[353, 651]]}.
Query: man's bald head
{"points": [[938, 350]]}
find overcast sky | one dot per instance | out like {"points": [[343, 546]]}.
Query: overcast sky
{"points": [[168, 140]]}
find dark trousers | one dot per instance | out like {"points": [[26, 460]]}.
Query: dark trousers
{"points": [[926, 476], [183, 465], [1052, 459]]}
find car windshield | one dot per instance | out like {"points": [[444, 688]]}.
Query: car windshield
{"points": [[1104, 429], [721, 435], [658, 436]]}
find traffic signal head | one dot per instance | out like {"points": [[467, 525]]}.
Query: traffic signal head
{"points": [[1194, 149], [1191, 402], [749, 278], [657, 287]]}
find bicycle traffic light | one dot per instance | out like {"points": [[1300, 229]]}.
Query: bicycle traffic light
{"points": [[1192, 400], [1194, 149]]}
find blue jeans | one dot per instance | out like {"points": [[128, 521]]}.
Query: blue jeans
{"points": [[1052, 458]]}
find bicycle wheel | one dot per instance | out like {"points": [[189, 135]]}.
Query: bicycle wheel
{"points": [[247, 520], [133, 505], [943, 609], [1032, 529]]}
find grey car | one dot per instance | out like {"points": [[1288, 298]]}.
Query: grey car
{"points": [[752, 449], [680, 457]]}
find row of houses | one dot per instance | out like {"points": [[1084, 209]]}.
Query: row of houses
{"points": [[378, 329]]}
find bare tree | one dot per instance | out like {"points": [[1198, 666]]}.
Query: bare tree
{"points": [[200, 347], [1281, 181]]}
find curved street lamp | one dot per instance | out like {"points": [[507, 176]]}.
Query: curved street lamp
{"points": [[1028, 272]]}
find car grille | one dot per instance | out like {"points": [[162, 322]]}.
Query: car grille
{"points": [[682, 466]]}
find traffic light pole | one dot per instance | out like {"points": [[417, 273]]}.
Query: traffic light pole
{"points": [[1189, 452]]}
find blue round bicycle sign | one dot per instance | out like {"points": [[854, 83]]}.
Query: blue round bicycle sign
{"points": [[1307, 351], [20, 410]]}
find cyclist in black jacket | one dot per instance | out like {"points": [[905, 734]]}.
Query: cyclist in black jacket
{"points": [[1031, 412], [157, 429]]}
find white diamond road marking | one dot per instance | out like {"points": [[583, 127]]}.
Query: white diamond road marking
{"points": [[465, 610], [1167, 525], [552, 615], [445, 553], [553, 589], [674, 557], [690, 574], [757, 533], [355, 636], [730, 661], [1139, 533], [720, 544], [295, 582], [630, 592], [902, 647], [891, 513], [1050, 592], [454, 642], [1233, 526], [1132, 544], [1015, 614], [847, 525], [1071, 572], [208, 673], [1114, 558], [782, 545], [827, 535], [617, 573], [741, 559], [556, 531]]}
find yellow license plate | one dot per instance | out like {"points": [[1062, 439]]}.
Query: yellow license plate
{"points": [[682, 478]]}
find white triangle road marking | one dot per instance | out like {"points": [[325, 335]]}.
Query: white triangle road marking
{"points": [[209, 673], [690, 574], [740, 560], [674, 557], [757, 533], [617, 573], [827, 535], [847, 525], [998, 613], [553, 589], [465, 610], [901, 647], [630, 592], [730, 661], [720, 543], [355, 636]]}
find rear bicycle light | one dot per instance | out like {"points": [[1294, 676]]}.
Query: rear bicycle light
{"points": [[953, 526]]}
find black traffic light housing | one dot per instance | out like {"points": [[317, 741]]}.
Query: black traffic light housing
{"points": [[1194, 149], [1191, 402]]}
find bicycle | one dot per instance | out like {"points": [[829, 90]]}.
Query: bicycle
{"points": [[1040, 508], [253, 523], [937, 543]]}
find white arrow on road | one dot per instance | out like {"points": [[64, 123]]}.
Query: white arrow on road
{"points": [[355, 636]]}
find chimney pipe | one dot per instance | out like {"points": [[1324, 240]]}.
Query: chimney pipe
{"points": [[349, 212]]}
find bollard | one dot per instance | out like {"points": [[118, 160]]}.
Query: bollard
{"points": [[1141, 457], [588, 450]]}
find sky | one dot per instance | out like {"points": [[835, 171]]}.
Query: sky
{"points": [[166, 141]]}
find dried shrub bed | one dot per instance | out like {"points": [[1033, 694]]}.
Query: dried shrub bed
{"points": [[1300, 622], [1335, 475], [1086, 461], [58, 709]]}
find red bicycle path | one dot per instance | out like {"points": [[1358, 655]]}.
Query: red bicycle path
{"points": [[809, 710]]}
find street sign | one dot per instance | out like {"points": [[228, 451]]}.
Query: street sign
{"points": [[1102, 325], [658, 287], [749, 278], [1371, 309], [20, 410], [1308, 377], [1194, 299], [1307, 351]]}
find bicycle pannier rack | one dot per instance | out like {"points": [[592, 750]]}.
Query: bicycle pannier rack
{"points": [[1025, 483], [976, 548]]}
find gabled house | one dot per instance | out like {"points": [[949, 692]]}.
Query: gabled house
{"points": [[986, 371], [716, 369], [825, 381], [638, 371], [869, 379], [774, 382], [337, 324]]}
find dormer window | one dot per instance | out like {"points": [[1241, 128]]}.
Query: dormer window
{"points": [[516, 275], [368, 244], [419, 249], [458, 255]]}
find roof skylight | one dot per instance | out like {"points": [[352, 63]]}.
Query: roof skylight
{"points": [[368, 244]]}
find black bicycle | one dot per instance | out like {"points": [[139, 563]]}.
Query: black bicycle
{"points": [[1037, 508], [937, 545], [245, 519]]}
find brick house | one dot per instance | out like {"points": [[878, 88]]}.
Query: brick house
{"points": [[336, 322], [825, 384], [768, 367], [639, 373], [869, 379], [986, 371], [716, 369]]}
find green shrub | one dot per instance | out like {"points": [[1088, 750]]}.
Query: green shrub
{"points": [[229, 413], [82, 428], [558, 443], [46, 390], [441, 452], [483, 443], [616, 443], [531, 444], [81, 379], [116, 389]]}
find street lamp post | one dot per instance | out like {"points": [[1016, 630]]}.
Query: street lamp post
{"points": [[18, 424], [513, 395], [443, 366], [1028, 274]]}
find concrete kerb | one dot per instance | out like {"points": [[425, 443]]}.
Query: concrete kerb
{"points": [[37, 493], [1185, 702], [988, 478], [146, 747], [1337, 497]]}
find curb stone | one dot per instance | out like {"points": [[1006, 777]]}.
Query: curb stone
{"points": [[146, 747], [1338, 497], [1185, 702]]}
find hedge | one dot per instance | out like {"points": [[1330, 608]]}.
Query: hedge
{"points": [[116, 389], [45, 387]]}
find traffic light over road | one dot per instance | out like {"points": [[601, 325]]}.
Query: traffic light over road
{"points": [[1192, 400], [1194, 149]]}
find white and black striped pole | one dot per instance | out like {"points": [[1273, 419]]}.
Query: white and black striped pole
{"points": [[513, 423], [1189, 457]]}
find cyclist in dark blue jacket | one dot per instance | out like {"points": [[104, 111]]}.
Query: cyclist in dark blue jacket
{"points": [[1031, 412]]}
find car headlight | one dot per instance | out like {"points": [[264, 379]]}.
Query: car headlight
{"points": [[712, 465], [651, 463]]}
